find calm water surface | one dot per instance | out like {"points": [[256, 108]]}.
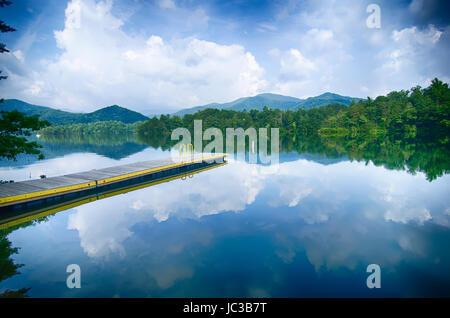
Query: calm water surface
{"points": [[308, 227]]}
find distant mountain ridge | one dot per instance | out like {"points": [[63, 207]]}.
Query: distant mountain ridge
{"points": [[60, 117], [117, 113], [275, 101]]}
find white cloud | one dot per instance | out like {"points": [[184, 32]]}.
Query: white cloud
{"points": [[294, 66], [405, 215], [348, 55], [35, 88], [313, 64], [299, 74], [101, 65], [101, 241], [198, 18], [405, 61], [19, 55], [414, 35], [263, 27], [319, 46], [12, 63], [320, 37]]}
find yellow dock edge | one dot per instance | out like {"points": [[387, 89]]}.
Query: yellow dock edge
{"points": [[44, 193], [92, 184], [99, 197]]}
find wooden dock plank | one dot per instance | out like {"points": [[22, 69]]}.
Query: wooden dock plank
{"points": [[55, 183], [30, 186], [119, 170], [34, 189], [10, 191], [91, 175], [21, 187]]}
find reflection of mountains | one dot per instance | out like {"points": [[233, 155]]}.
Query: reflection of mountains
{"points": [[319, 158], [117, 151], [58, 147]]}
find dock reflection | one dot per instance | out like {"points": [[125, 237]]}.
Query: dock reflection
{"points": [[14, 215]]}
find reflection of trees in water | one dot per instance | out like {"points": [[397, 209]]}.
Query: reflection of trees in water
{"points": [[91, 139], [426, 152], [414, 155], [7, 266], [112, 139], [115, 146], [157, 140], [395, 152], [20, 293]]}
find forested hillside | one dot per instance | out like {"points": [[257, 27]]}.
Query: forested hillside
{"points": [[59, 117]]}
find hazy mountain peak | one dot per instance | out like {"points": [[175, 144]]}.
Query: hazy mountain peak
{"points": [[59, 117], [275, 101]]}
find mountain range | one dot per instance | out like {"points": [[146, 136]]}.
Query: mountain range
{"points": [[282, 102], [117, 113], [60, 117]]}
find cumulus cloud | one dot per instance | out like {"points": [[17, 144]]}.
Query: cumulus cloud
{"points": [[405, 215], [320, 37], [100, 64], [334, 37], [13, 64], [428, 36], [294, 66], [264, 27], [407, 58], [315, 47], [19, 55], [319, 53]]}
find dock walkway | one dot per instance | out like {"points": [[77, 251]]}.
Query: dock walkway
{"points": [[31, 190]]}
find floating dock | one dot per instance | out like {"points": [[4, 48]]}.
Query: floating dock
{"points": [[14, 215], [23, 192]]}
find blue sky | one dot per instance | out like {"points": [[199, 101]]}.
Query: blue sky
{"points": [[164, 55]]}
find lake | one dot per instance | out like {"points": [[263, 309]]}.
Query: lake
{"points": [[308, 227]]}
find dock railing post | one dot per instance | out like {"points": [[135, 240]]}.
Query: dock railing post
{"points": [[183, 151]]}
